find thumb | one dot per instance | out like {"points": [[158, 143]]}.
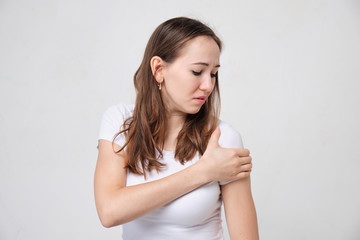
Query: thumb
{"points": [[214, 138]]}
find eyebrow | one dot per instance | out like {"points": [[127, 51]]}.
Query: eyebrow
{"points": [[205, 64]]}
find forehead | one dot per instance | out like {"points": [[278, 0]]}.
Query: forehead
{"points": [[200, 49]]}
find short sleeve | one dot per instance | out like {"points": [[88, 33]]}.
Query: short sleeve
{"points": [[229, 138], [112, 121]]}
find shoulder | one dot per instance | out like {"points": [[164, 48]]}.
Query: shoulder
{"points": [[119, 111], [112, 121], [229, 136], [116, 114]]}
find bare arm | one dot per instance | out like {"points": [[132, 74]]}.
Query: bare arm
{"points": [[240, 210], [117, 204]]}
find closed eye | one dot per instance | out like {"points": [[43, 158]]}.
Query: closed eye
{"points": [[213, 75], [199, 73], [196, 73]]}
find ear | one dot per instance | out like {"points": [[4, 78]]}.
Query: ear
{"points": [[157, 67]]}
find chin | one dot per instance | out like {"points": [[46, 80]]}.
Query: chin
{"points": [[193, 110]]}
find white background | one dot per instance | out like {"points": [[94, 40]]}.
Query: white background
{"points": [[289, 80]]}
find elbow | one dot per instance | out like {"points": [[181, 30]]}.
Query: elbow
{"points": [[106, 223], [109, 212], [108, 219]]}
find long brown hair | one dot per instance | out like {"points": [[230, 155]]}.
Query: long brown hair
{"points": [[145, 130]]}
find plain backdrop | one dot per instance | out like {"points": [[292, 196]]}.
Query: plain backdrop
{"points": [[289, 81]]}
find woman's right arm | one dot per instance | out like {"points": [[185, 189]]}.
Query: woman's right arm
{"points": [[117, 204]]}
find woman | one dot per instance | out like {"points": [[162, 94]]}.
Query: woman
{"points": [[163, 169]]}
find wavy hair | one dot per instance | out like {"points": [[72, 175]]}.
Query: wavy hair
{"points": [[145, 129]]}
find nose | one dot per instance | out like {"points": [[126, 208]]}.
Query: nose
{"points": [[207, 84]]}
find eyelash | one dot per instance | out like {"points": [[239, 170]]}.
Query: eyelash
{"points": [[199, 73]]}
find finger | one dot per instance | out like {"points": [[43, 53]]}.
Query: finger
{"points": [[246, 167], [242, 152], [245, 160], [243, 175], [214, 138]]}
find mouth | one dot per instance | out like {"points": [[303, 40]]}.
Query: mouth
{"points": [[200, 99]]}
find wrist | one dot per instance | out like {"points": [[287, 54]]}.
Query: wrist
{"points": [[199, 170]]}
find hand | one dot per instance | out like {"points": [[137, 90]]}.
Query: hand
{"points": [[221, 164]]}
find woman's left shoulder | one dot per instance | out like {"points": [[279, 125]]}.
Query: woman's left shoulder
{"points": [[229, 136]]}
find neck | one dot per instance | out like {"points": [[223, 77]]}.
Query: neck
{"points": [[175, 123]]}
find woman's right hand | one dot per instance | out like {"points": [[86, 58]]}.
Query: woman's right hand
{"points": [[221, 164]]}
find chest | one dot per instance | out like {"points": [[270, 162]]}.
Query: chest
{"points": [[193, 208]]}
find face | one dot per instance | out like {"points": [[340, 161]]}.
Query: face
{"points": [[190, 79]]}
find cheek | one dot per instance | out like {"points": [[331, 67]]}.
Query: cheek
{"points": [[213, 87], [181, 83]]}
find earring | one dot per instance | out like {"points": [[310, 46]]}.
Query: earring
{"points": [[159, 86]]}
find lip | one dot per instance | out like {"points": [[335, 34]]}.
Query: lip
{"points": [[200, 99]]}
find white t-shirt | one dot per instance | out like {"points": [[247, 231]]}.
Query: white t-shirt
{"points": [[195, 215]]}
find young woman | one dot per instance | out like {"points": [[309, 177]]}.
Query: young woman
{"points": [[167, 163]]}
